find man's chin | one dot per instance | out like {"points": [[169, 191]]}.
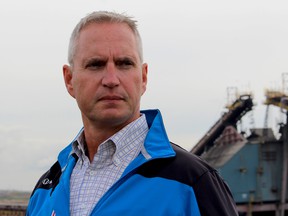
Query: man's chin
{"points": [[116, 118]]}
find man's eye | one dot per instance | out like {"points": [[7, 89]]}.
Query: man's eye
{"points": [[125, 63], [95, 64]]}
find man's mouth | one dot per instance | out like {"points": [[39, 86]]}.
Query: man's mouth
{"points": [[111, 98]]}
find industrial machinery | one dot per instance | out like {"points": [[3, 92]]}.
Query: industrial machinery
{"points": [[254, 166], [236, 110]]}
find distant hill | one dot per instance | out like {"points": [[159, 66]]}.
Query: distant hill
{"points": [[12, 197]]}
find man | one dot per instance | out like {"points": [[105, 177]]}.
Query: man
{"points": [[121, 162]]}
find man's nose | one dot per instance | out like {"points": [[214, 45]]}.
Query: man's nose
{"points": [[110, 77]]}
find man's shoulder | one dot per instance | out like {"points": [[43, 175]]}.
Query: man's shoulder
{"points": [[184, 167], [189, 165], [190, 161]]}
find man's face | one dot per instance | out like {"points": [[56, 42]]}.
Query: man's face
{"points": [[107, 79]]}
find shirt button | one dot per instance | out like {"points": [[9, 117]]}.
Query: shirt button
{"points": [[117, 161], [91, 173]]}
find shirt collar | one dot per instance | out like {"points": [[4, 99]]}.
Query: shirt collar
{"points": [[130, 138], [79, 145]]}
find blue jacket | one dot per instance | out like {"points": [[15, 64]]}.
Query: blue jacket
{"points": [[165, 180]]}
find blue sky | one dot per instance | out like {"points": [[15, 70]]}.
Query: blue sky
{"points": [[195, 50]]}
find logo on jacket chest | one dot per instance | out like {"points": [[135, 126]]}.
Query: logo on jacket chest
{"points": [[46, 181]]}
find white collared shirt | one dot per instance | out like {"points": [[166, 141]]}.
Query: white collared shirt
{"points": [[90, 181]]}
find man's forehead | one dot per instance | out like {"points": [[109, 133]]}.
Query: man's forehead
{"points": [[106, 26], [99, 38], [107, 33]]}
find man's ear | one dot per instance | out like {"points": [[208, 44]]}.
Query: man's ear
{"points": [[68, 75], [144, 77]]}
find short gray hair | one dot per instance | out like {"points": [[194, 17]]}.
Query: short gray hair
{"points": [[102, 17]]}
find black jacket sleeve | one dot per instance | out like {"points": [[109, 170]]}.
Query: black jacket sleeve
{"points": [[213, 196]]}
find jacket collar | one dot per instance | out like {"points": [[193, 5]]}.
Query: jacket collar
{"points": [[156, 144]]}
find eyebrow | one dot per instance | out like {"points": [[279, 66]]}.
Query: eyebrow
{"points": [[125, 58], [94, 60]]}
